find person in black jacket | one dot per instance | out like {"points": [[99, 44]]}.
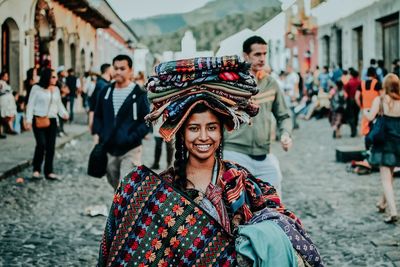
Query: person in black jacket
{"points": [[119, 121], [102, 82], [74, 86]]}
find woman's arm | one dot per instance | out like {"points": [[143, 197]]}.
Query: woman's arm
{"points": [[62, 111], [31, 103], [371, 114]]}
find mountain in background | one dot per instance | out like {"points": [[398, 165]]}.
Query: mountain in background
{"points": [[210, 24], [212, 11]]}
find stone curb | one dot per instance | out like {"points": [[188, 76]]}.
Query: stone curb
{"points": [[26, 163]]}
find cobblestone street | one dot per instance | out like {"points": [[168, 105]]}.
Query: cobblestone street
{"points": [[43, 223]]}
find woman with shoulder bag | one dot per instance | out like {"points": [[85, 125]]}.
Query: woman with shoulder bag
{"points": [[43, 106], [386, 155]]}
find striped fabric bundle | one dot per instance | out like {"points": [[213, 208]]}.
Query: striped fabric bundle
{"points": [[223, 84]]}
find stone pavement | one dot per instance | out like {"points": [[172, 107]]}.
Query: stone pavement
{"points": [[17, 151], [337, 207], [44, 223]]}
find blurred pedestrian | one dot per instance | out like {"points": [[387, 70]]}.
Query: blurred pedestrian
{"points": [[345, 77], [87, 83], [387, 155], [158, 148], [396, 67], [8, 107], [372, 64], [352, 109], [74, 86], [102, 82], [381, 71], [250, 146], [140, 79], [64, 91], [338, 107], [365, 94], [20, 121], [31, 79], [45, 101], [324, 79], [119, 121]]}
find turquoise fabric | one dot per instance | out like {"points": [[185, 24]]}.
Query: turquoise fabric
{"points": [[266, 245]]}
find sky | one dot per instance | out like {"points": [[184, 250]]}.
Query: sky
{"points": [[129, 9]]}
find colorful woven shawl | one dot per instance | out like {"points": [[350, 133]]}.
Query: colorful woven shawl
{"points": [[153, 224]]}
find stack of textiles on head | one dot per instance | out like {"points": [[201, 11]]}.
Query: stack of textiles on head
{"points": [[222, 83]]}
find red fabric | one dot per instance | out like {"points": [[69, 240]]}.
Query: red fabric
{"points": [[352, 86]]}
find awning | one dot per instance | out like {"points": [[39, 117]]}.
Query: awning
{"points": [[82, 9]]}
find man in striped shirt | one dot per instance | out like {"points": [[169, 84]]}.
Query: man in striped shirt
{"points": [[119, 121]]}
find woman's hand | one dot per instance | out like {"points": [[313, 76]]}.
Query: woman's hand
{"points": [[28, 126]]}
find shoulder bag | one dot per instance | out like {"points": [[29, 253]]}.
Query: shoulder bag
{"points": [[44, 122], [97, 165], [376, 135]]}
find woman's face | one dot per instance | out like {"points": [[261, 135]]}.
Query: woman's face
{"points": [[53, 78], [5, 77], [202, 135]]}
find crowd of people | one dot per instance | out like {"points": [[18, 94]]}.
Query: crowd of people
{"points": [[333, 92]]}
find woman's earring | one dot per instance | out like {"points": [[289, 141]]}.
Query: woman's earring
{"points": [[183, 151], [220, 151]]}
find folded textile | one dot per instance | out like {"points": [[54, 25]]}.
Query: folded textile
{"points": [[215, 64], [221, 83], [264, 244], [156, 85], [299, 238]]}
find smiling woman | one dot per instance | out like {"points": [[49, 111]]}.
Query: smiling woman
{"points": [[203, 211]]}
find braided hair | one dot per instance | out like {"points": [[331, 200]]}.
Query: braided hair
{"points": [[181, 152]]}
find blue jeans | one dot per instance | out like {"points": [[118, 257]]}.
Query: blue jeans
{"points": [[18, 121], [268, 170], [71, 108]]}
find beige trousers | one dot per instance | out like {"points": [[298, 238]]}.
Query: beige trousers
{"points": [[118, 167]]}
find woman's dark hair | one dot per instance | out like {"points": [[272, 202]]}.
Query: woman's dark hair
{"points": [[339, 85], [181, 156], [45, 77], [29, 77], [353, 72], [2, 74]]}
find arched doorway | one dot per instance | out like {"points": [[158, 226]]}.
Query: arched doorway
{"points": [[61, 54], [10, 52], [73, 56], [45, 25], [83, 61], [91, 61]]}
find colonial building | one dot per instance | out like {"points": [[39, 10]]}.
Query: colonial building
{"points": [[118, 38], [301, 37], [59, 33], [358, 31]]}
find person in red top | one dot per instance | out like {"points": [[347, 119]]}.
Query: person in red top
{"points": [[366, 94], [352, 109]]}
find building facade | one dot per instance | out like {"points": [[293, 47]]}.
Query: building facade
{"points": [[365, 29], [117, 39], [79, 34], [301, 37]]}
